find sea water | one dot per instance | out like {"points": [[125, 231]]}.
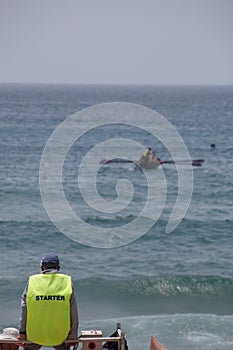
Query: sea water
{"points": [[177, 286]]}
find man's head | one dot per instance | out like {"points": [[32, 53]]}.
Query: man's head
{"points": [[50, 261]]}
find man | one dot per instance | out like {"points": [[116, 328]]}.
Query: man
{"points": [[144, 157], [49, 312]]}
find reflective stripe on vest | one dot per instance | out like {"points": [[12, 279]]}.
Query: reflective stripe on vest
{"points": [[48, 308]]}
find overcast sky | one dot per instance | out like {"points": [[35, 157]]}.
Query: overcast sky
{"points": [[117, 41]]}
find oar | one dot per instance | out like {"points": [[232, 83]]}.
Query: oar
{"points": [[117, 160], [194, 162]]}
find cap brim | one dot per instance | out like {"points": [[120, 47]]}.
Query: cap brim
{"points": [[5, 337]]}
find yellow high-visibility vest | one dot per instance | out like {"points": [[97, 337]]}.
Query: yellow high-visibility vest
{"points": [[145, 154], [48, 308]]}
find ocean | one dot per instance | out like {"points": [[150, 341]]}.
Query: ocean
{"points": [[176, 285]]}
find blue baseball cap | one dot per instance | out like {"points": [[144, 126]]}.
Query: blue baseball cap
{"points": [[50, 259]]}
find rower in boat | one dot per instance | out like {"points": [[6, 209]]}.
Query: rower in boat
{"points": [[150, 161]]}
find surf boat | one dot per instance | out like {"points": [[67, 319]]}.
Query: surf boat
{"points": [[147, 164]]}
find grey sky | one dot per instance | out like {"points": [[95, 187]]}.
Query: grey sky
{"points": [[117, 41]]}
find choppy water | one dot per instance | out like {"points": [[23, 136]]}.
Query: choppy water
{"points": [[177, 286]]}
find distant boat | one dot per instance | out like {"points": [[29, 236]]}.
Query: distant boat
{"points": [[145, 164]]}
